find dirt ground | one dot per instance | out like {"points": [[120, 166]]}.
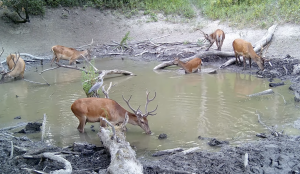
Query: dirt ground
{"points": [[76, 27]]}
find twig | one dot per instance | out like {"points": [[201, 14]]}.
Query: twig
{"points": [[105, 92], [36, 82], [123, 125], [48, 69], [189, 150], [89, 63], [114, 137], [286, 71], [13, 127], [282, 97], [11, 150], [44, 126], [33, 57], [246, 160], [86, 45], [273, 132], [140, 54]]}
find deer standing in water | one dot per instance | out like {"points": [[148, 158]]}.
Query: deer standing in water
{"points": [[191, 66], [245, 49], [218, 36], [91, 109]]}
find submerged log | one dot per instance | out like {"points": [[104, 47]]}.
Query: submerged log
{"points": [[268, 91]]}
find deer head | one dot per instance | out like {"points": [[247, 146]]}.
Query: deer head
{"points": [[142, 118]]}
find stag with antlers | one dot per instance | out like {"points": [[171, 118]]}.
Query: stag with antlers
{"points": [[92, 109]]}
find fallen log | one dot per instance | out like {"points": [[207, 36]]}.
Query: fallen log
{"points": [[268, 91], [123, 157], [258, 46]]}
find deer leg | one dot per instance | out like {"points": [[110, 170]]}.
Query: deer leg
{"points": [[221, 43], [237, 57], [54, 57], [250, 62], [82, 122], [218, 44], [244, 60]]}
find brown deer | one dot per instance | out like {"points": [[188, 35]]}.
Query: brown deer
{"points": [[218, 36], [16, 66], [91, 109], [245, 49], [71, 54], [191, 66]]}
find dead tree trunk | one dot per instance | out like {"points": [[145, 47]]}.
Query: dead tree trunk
{"points": [[258, 46], [123, 158]]}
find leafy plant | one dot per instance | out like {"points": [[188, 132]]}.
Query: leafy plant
{"points": [[124, 40], [88, 80]]}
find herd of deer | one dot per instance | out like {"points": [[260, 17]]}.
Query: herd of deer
{"points": [[91, 109], [240, 48]]}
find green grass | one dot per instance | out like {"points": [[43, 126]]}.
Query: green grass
{"points": [[241, 13]]}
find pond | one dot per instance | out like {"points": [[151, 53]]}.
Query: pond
{"points": [[199, 104]]}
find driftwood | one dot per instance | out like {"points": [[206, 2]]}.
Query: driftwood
{"points": [[167, 152], [115, 71], [13, 127], [268, 91], [52, 156], [273, 132], [123, 157], [258, 46]]}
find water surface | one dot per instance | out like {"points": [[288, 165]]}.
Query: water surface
{"points": [[189, 106]]}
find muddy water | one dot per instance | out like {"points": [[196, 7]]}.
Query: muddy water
{"points": [[188, 105]]}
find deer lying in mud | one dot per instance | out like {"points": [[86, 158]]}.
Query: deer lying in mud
{"points": [[218, 36], [91, 109], [66, 53], [16, 66], [245, 49], [191, 66]]}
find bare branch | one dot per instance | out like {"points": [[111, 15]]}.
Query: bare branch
{"points": [[86, 45], [36, 82], [113, 137], [106, 92], [89, 63]]}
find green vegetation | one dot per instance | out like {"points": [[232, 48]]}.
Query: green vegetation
{"points": [[88, 80], [262, 13], [239, 13], [124, 40]]}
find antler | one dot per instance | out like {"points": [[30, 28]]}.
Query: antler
{"points": [[147, 102], [138, 112], [127, 101]]}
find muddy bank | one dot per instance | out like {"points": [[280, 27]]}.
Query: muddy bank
{"points": [[84, 157], [270, 155]]}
